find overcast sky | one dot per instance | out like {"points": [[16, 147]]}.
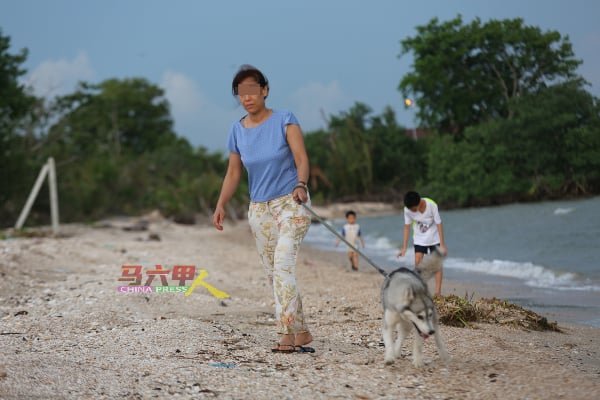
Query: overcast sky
{"points": [[317, 55]]}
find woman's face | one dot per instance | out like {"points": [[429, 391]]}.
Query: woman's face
{"points": [[251, 95]]}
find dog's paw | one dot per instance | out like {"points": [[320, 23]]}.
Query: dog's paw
{"points": [[418, 363], [389, 360]]}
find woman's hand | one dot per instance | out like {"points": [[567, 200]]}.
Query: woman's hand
{"points": [[230, 183], [300, 193], [219, 217]]}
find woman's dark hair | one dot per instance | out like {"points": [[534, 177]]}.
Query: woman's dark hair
{"points": [[411, 199], [248, 71]]}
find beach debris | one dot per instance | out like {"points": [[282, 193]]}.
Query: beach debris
{"points": [[222, 365], [137, 226], [185, 218], [30, 232], [462, 311], [455, 311], [506, 313], [154, 237]]}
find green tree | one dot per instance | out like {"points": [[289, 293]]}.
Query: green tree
{"points": [[318, 148], [116, 152], [365, 156], [467, 74], [116, 117], [555, 141], [398, 160], [16, 111], [351, 167], [16, 100], [549, 149], [476, 170]]}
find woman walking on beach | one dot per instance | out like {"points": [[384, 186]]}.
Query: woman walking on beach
{"points": [[270, 145]]}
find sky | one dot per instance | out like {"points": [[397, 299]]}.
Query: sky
{"points": [[320, 57]]}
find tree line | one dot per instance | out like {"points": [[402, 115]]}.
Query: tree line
{"points": [[506, 115]]}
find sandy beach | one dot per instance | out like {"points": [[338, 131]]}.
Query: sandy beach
{"points": [[67, 332]]}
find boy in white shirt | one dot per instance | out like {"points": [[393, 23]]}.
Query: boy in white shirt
{"points": [[351, 232], [428, 232]]}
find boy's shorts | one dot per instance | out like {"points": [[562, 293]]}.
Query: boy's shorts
{"points": [[425, 249]]}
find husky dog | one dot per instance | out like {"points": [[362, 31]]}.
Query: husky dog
{"points": [[407, 304]]}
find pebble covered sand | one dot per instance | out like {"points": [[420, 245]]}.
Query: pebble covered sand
{"points": [[66, 332]]}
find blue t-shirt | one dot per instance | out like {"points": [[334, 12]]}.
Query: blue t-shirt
{"points": [[266, 156]]}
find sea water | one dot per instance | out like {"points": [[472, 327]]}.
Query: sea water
{"points": [[543, 256]]}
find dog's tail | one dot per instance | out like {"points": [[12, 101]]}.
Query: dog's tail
{"points": [[431, 264]]}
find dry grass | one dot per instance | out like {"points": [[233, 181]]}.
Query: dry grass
{"points": [[463, 311]]}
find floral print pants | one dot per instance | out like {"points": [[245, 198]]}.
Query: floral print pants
{"points": [[278, 226]]}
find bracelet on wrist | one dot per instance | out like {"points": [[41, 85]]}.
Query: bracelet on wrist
{"points": [[302, 182], [300, 187]]}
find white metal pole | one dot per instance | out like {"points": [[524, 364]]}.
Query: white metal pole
{"points": [[53, 195], [32, 196]]}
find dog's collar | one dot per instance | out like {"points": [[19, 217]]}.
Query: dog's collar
{"points": [[404, 270]]}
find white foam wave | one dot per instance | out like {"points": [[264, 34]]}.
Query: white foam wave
{"points": [[381, 243], [533, 275], [321, 237], [563, 211]]}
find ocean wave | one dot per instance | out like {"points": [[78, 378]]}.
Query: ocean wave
{"points": [[563, 211], [532, 275]]}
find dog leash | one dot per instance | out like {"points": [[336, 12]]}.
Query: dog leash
{"points": [[343, 239]]}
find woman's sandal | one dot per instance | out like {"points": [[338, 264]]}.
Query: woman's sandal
{"points": [[303, 349], [290, 348], [284, 348]]}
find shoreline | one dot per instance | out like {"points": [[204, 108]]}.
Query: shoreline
{"points": [[471, 290], [362, 208], [558, 303], [66, 331]]}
